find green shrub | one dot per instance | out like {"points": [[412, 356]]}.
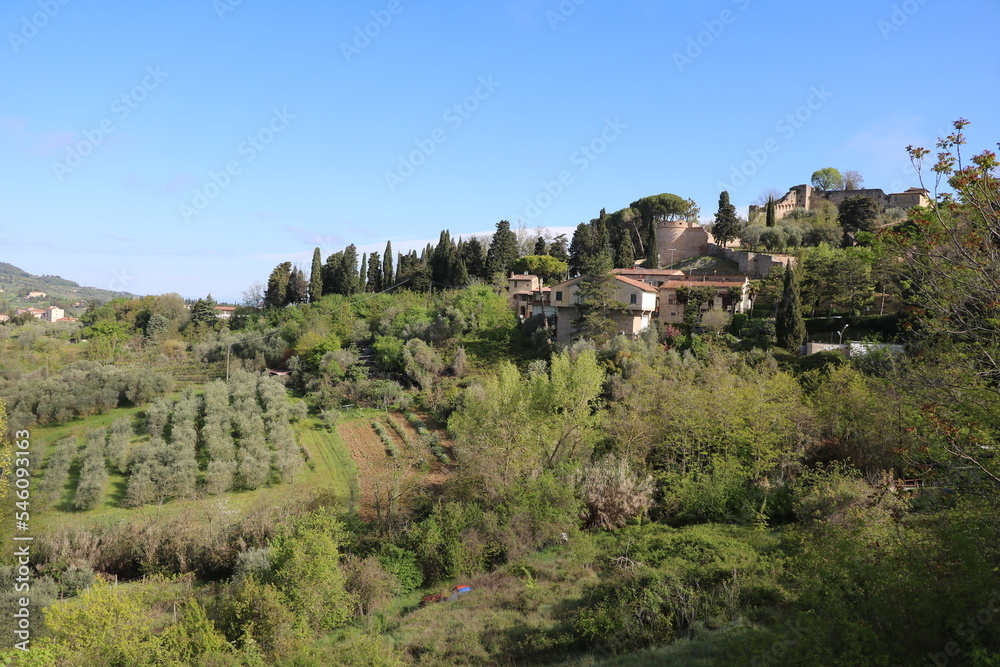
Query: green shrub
{"points": [[402, 564]]}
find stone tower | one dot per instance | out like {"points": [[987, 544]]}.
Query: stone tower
{"points": [[677, 240]]}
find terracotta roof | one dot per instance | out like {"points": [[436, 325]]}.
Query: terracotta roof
{"points": [[571, 281], [635, 283], [674, 284], [649, 272], [701, 277]]}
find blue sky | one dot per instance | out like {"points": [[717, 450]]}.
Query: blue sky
{"points": [[190, 146]]}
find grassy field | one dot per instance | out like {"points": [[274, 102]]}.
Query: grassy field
{"points": [[328, 467]]}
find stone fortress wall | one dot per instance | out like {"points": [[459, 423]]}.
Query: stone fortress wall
{"points": [[804, 196]]}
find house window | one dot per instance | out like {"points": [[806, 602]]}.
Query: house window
{"points": [[558, 296], [631, 299]]}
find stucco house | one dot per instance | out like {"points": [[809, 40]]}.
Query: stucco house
{"points": [[526, 295], [53, 314], [638, 301], [732, 295]]}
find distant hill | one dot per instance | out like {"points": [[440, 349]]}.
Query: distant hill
{"points": [[16, 283]]}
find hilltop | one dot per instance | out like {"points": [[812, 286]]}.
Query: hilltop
{"points": [[16, 283]]}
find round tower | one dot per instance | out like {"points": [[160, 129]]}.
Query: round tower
{"points": [[677, 240]]}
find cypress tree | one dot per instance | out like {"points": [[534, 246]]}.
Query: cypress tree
{"points": [[474, 257], [363, 274], [624, 253], [460, 276], [652, 252], [374, 273], [769, 218], [503, 251], [789, 325], [541, 248], [558, 248], [602, 239], [581, 248], [388, 278], [441, 259], [334, 263], [316, 277], [349, 266], [298, 287]]}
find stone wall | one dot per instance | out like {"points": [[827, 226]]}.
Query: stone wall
{"points": [[679, 239], [752, 264], [804, 196]]}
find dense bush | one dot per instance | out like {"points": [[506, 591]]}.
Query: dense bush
{"points": [[119, 437], [80, 390], [56, 474], [93, 481]]}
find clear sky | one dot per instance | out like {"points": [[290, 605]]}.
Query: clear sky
{"points": [[189, 146]]}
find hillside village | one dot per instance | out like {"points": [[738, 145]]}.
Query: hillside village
{"points": [[648, 292]]}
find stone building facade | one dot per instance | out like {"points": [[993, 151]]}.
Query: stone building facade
{"points": [[805, 197], [680, 239]]}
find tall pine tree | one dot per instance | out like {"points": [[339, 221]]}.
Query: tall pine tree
{"points": [[331, 274], [541, 247], [502, 253], [557, 248], [597, 291], [474, 258], [789, 325], [316, 277], [277, 286], [727, 225], [581, 249], [624, 253]]}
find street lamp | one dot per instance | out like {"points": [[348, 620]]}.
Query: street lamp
{"points": [[842, 330]]}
